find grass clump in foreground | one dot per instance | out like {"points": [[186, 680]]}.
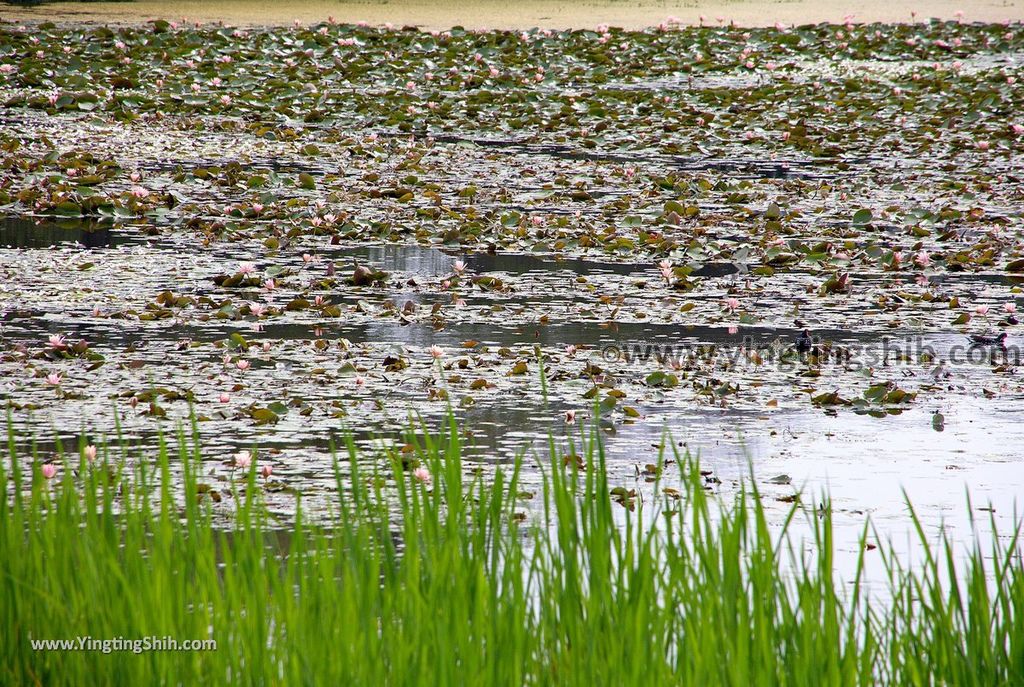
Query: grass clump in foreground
{"points": [[441, 583]]}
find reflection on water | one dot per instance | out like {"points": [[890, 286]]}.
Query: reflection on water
{"points": [[21, 232], [425, 261]]}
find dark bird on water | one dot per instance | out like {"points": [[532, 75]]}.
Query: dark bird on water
{"points": [[804, 342], [983, 340]]}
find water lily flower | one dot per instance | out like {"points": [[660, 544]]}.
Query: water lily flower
{"points": [[246, 268], [437, 352], [243, 459], [731, 304], [1009, 308], [54, 379], [256, 309], [422, 474], [242, 365], [982, 145], [57, 342], [224, 397], [257, 208], [570, 350], [360, 380], [49, 470], [570, 417], [981, 310], [922, 259], [459, 266], [89, 453], [1018, 129], [267, 471]]}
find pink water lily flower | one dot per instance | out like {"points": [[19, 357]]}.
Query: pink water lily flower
{"points": [[459, 266], [731, 304], [437, 352], [246, 268], [242, 365], [422, 474], [57, 342], [49, 470], [54, 379], [89, 453], [1010, 308], [243, 459]]}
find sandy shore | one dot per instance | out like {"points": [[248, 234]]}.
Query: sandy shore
{"points": [[523, 14]]}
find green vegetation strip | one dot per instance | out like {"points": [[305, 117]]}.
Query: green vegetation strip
{"points": [[427, 576]]}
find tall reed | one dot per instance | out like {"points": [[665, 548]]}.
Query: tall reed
{"points": [[446, 583]]}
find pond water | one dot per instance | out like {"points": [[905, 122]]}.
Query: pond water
{"points": [[275, 247]]}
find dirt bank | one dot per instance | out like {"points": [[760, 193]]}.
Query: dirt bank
{"points": [[546, 13]]}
